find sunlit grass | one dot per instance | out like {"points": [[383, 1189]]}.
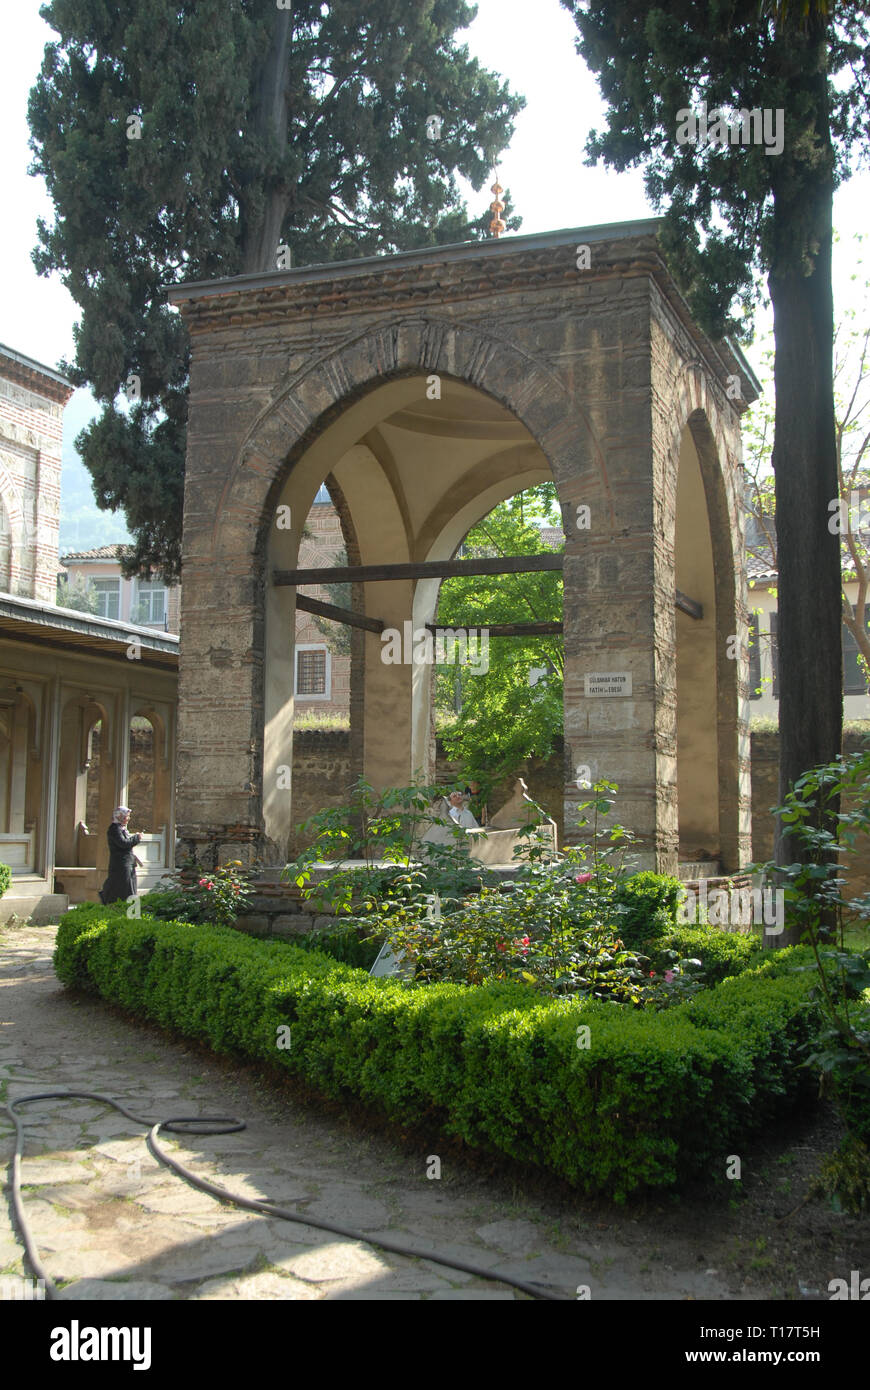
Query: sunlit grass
{"points": [[321, 719]]}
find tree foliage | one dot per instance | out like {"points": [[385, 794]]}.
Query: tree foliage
{"points": [[260, 126], [511, 711], [736, 207], [852, 403], [81, 595], [720, 202]]}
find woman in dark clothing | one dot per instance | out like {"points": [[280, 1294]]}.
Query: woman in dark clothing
{"points": [[121, 882]]}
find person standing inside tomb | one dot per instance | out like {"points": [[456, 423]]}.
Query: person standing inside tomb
{"points": [[121, 881], [460, 813]]}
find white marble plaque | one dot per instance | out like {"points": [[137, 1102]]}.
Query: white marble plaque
{"points": [[608, 683]]}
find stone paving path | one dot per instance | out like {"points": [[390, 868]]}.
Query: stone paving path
{"points": [[112, 1223]]}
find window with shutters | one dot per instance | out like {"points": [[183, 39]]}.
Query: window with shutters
{"points": [[854, 680], [108, 597], [312, 673]]}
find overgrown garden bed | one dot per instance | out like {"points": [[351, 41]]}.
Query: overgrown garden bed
{"points": [[644, 1099]]}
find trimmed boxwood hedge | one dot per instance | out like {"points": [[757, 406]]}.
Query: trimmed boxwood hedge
{"points": [[656, 1098], [722, 953], [345, 942]]}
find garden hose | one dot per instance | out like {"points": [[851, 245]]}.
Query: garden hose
{"points": [[219, 1124]]}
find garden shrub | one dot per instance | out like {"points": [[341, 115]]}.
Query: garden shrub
{"points": [[219, 895], [352, 943], [721, 953], [648, 908], [656, 1097], [825, 814], [5, 878]]}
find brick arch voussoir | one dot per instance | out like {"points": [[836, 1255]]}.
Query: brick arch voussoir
{"points": [[695, 408], [316, 394]]}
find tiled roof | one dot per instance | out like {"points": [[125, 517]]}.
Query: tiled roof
{"points": [[99, 552], [760, 568]]}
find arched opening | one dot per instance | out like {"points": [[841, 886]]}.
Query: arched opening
{"points": [[95, 760], [498, 697], [20, 781], [149, 789], [416, 462], [86, 785], [6, 547], [697, 700], [140, 771]]}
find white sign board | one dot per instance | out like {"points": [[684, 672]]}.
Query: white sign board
{"points": [[389, 964], [608, 683]]}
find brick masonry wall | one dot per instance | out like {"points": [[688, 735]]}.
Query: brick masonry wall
{"points": [[31, 427]]}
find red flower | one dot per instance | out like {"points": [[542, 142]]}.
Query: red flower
{"points": [[500, 946], [652, 974], [526, 940], [582, 878]]}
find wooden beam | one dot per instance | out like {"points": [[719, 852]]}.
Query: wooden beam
{"points": [[688, 605], [430, 569], [338, 615], [501, 629]]}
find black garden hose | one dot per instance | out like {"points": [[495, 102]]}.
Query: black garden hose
{"points": [[219, 1124]]}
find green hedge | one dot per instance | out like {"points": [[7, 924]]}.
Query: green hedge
{"points": [[5, 878], [657, 1098], [650, 903], [345, 943], [722, 953]]}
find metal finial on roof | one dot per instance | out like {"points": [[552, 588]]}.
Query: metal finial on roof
{"points": [[497, 226]]}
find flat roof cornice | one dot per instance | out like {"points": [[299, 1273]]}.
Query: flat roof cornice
{"points": [[454, 251], [35, 375], [415, 280], [28, 619]]}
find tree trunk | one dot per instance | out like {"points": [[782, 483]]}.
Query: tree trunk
{"points": [[262, 210], [805, 461]]}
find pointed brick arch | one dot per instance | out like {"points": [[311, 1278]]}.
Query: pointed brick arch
{"points": [[697, 409], [311, 398]]}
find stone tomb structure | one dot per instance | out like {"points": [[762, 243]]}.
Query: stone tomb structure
{"points": [[425, 388]]}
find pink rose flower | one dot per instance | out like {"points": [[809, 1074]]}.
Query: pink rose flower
{"points": [[669, 975], [582, 878]]}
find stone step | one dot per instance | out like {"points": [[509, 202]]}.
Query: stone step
{"points": [[42, 909], [699, 868]]}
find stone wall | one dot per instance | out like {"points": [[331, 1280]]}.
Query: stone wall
{"points": [[765, 793], [322, 776]]}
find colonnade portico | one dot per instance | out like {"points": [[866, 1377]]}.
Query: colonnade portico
{"points": [[427, 387], [69, 695]]}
